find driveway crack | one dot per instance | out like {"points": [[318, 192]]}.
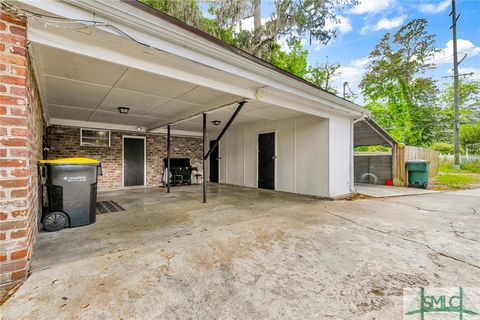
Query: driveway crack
{"points": [[419, 208], [403, 238], [460, 234]]}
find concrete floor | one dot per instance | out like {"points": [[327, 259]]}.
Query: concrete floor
{"points": [[251, 254], [380, 191]]}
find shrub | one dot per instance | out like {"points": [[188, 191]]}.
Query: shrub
{"points": [[473, 167], [442, 147], [445, 148]]}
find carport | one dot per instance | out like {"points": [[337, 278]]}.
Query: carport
{"points": [[86, 74], [138, 75], [373, 167]]}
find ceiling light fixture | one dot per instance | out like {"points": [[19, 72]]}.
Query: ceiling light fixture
{"points": [[216, 122], [123, 110]]}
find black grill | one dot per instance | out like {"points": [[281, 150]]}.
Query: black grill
{"points": [[180, 170]]}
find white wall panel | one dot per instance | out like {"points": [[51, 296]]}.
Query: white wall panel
{"points": [[340, 157], [302, 150], [235, 156], [311, 154]]}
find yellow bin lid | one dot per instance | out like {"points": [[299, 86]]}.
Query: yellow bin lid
{"points": [[71, 161]]}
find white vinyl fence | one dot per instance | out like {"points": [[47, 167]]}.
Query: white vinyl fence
{"points": [[464, 158]]}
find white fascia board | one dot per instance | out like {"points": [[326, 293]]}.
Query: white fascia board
{"points": [[119, 127], [160, 34]]}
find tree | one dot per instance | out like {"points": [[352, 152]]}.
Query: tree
{"points": [[401, 99], [290, 19], [289, 16], [470, 137], [293, 60], [322, 74], [468, 100], [187, 11]]}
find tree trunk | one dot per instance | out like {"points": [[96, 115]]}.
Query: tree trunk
{"points": [[257, 25]]}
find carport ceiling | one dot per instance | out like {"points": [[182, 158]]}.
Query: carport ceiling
{"points": [[75, 87]]}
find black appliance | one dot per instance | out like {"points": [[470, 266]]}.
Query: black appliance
{"points": [[180, 170]]}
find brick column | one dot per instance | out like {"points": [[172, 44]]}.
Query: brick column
{"points": [[21, 132]]}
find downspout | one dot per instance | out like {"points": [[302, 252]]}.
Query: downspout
{"points": [[352, 155]]}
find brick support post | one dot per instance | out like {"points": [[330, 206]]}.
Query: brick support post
{"points": [[21, 132]]}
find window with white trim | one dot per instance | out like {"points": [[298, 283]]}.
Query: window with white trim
{"points": [[94, 138]]}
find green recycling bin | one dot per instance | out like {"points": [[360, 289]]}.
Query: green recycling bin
{"points": [[418, 173], [72, 192]]}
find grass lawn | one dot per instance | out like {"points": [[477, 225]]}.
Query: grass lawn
{"points": [[468, 176], [456, 181], [471, 167]]}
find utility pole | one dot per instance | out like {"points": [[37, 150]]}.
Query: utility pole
{"points": [[456, 124]]}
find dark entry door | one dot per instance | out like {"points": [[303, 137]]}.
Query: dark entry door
{"points": [[133, 162], [213, 163], [266, 160]]}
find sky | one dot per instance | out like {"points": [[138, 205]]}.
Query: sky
{"points": [[361, 28]]}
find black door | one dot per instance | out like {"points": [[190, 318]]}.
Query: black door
{"points": [[134, 162], [266, 160], [213, 163]]}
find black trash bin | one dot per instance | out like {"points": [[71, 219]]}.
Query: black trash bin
{"points": [[72, 192]]}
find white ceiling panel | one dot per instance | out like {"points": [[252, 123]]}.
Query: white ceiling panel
{"points": [[74, 93], [73, 86], [188, 126], [174, 107], [150, 83], [63, 112], [117, 118], [202, 95], [139, 103], [67, 65]]}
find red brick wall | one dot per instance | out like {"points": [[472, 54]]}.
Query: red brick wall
{"points": [[65, 142], [21, 129]]}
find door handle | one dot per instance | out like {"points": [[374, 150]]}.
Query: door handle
{"points": [[274, 157]]}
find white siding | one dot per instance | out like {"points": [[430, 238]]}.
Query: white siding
{"points": [[311, 152], [302, 150], [341, 147]]}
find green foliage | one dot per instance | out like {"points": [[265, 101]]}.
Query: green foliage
{"points": [[470, 137], [373, 149], [473, 167], [401, 100], [293, 61], [322, 75], [468, 101], [227, 17], [290, 18], [187, 11], [467, 167], [456, 181], [442, 147]]}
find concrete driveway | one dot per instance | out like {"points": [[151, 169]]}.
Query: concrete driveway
{"points": [[251, 254]]}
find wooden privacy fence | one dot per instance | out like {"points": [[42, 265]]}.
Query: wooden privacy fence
{"points": [[402, 153]]}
